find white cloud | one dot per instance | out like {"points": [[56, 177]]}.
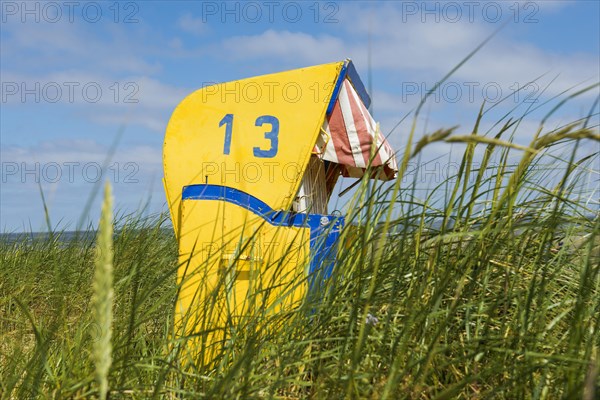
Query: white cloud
{"points": [[28, 46], [421, 52], [287, 45], [192, 25], [138, 100]]}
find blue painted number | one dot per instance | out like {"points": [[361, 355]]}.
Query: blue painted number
{"points": [[272, 135], [228, 119]]}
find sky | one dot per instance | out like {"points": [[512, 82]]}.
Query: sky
{"points": [[77, 75]]}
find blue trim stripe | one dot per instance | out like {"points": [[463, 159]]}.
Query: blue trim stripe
{"points": [[323, 237], [338, 86], [242, 199]]}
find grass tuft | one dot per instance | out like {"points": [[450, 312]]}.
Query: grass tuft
{"points": [[103, 295]]}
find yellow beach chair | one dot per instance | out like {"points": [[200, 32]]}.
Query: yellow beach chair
{"points": [[249, 167]]}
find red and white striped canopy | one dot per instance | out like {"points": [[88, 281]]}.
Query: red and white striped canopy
{"points": [[351, 137]]}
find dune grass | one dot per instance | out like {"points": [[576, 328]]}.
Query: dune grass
{"points": [[487, 286]]}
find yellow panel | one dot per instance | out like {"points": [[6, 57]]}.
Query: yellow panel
{"points": [[234, 265], [255, 135]]}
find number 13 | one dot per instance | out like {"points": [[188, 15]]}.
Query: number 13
{"points": [[272, 135]]}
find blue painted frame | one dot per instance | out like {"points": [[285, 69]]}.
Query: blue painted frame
{"points": [[324, 229], [358, 85]]}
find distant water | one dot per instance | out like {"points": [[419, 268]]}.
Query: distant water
{"points": [[63, 236], [68, 236]]}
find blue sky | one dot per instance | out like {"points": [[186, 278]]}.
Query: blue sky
{"points": [[73, 75]]}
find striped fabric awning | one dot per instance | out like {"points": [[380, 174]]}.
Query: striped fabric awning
{"points": [[351, 137]]}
